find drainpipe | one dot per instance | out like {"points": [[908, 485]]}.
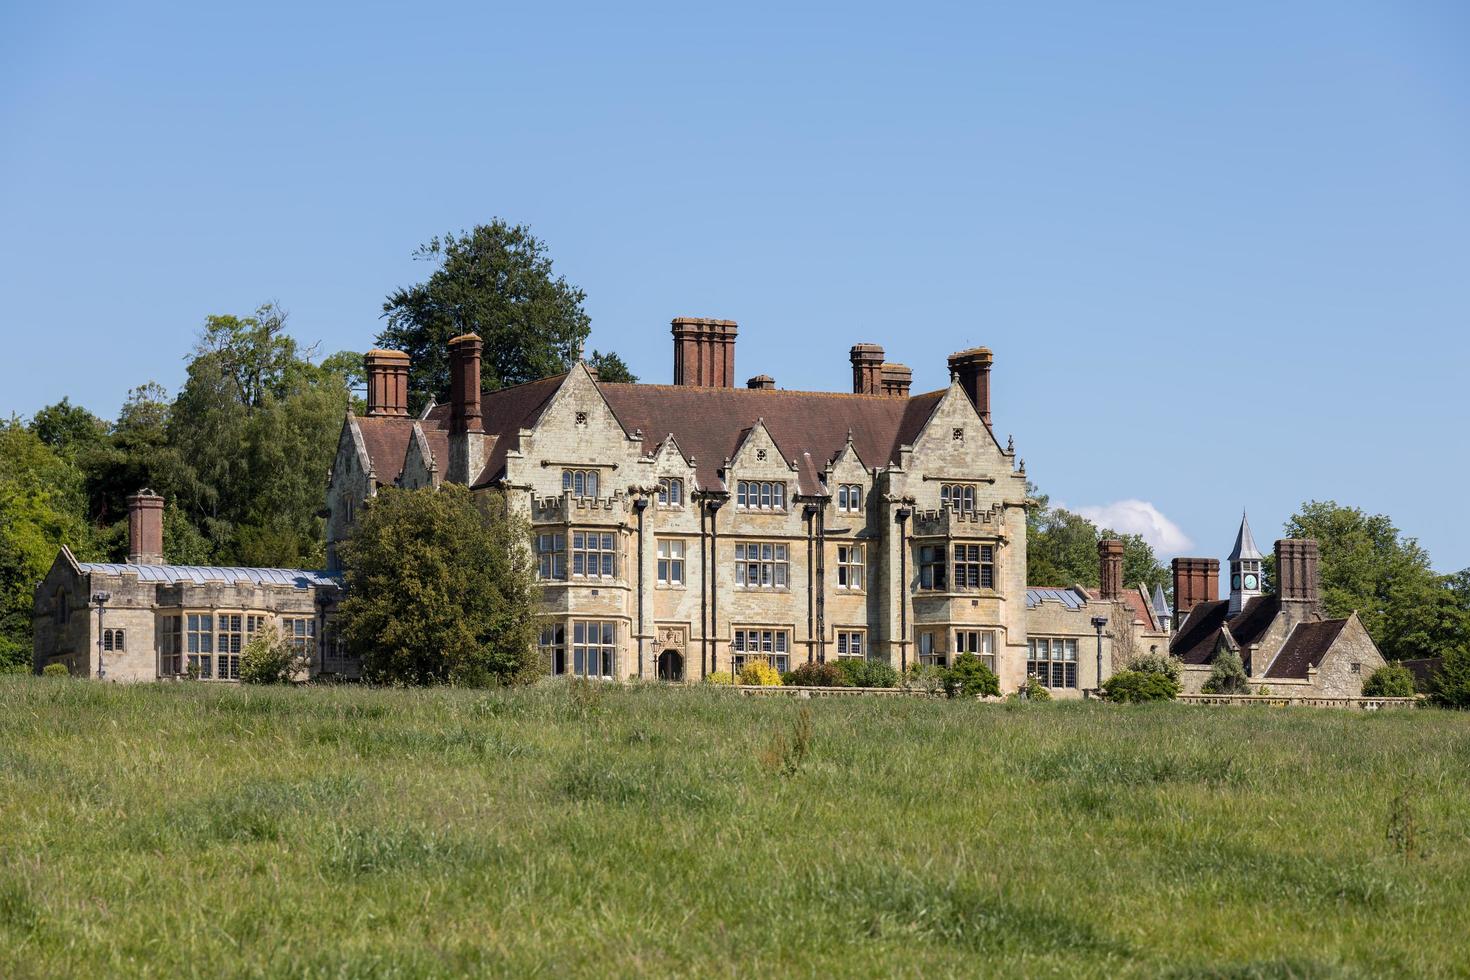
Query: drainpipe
{"points": [[901, 517], [703, 598], [640, 505], [821, 586], [810, 513], [714, 592]]}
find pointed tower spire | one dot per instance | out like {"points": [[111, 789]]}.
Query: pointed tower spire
{"points": [[1161, 608], [1245, 567]]}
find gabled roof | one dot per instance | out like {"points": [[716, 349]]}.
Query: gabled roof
{"points": [[386, 441], [709, 422], [1305, 647], [505, 413], [1196, 640], [294, 577], [1245, 545]]}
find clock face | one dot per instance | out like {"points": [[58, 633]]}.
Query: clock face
{"points": [[1251, 581], [1235, 581]]}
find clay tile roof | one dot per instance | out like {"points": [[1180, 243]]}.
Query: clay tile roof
{"points": [[1195, 643], [709, 423], [1254, 618], [811, 477], [505, 413], [1136, 602], [386, 440], [1305, 648]]}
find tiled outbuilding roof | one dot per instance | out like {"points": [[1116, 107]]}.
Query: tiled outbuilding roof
{"points": [[1196, 640], [1305, 648]]}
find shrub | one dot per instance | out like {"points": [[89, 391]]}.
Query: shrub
{"points": [[760, 673], [969, 677], [1389, 681], [1157, 663], [867, 673], [817, 675], [720, 677], [1450, 684], [1227, 676], [1138, 685], [55, 670], [267, 659], [1031, 690], [925, 677]]}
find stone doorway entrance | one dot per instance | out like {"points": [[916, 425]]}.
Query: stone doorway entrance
{"points": [[671, 666]]}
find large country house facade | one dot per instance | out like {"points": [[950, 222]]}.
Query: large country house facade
{"points": [[678, 530]]}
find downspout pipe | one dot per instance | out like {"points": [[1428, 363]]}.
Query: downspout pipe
{"points": [[810, 513], [704, 670], [901, 517], [639, 506], [714, 592]]}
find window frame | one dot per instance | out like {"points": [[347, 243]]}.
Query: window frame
{"points": [[974, 566], [770, 643], [852, 567], [932, 652], [1049, 671], [843, 639], [603, 647], [666, 562], [933, 567], [850, 498], [551, 644], [671, 492], [777, 564], [589, 478], [551, 562], [964, 638], [957, 496], [605, 555], [769, 495]]}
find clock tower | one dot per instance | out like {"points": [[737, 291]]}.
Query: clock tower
{"points": [[1245, 568]]}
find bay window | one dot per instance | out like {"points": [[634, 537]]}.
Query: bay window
{"points": [[594, 648], [551, 557], [594, 554], [979, 642], [974, 566], [933, 568]]}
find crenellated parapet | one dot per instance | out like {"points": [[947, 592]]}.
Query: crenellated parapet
{"points": [[568, 509], [949, 522]]}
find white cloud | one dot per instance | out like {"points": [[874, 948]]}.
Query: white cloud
{"points": [[1142, 518]]}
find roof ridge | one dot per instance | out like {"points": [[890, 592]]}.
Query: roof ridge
{"points": [[767, 392]]}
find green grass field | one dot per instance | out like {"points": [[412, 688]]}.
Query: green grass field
{"points": [[198, 830]]}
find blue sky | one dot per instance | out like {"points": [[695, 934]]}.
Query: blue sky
{"points": [[1222, 253]]}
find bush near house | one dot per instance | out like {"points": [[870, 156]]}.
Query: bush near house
{"points": [[1227, 675], [968, 677], [867, 673], [1031, 690], [55, 670], [816, 675], [720, 678], [1450, 684], [1389, 681], [268, 659], [759, 672], [1131, 686]]}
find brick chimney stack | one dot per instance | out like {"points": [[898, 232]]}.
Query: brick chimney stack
{"points": [[1298, 578], [867, 369], [387, 383], [1196, 580], [971, 368], [1110, 567], [897, 378], [466, 427], [704, 352], [145, 528]]}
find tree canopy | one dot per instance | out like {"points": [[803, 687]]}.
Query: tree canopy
{"points": [[1369, 567], [1061, 549], [440, 589]]}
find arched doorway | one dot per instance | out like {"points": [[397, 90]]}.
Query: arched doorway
{"points": [[671, 666]]}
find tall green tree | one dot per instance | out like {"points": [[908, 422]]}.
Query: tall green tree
{"points": [[440, 589], [611, 368], [1061, 549], [497, 281], [42, 506], [1369, 567]]}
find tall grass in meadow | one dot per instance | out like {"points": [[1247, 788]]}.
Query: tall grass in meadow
{"points": [[573, 829]]}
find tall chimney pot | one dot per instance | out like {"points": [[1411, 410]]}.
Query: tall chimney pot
{"points": [[145, 528], [387, 383], [704, 352], [867, 369], [1110, 568], [896, 380], [1196, 580], [1298, 576], [971, 368], [464, 384]]}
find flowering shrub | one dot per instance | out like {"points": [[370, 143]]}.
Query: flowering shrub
{"points": [[816, 675], [719, 677], [760, 673]]}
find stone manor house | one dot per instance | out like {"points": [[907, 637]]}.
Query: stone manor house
{"points": [[681, 529]]}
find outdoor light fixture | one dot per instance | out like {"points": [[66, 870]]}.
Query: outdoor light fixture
{"points": [[101, 598], [1098, 622]]}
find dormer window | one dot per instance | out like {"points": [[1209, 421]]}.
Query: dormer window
{"points": [[580, 483], [850, 498], [957, 496], [670, 492], [760, 495]]}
